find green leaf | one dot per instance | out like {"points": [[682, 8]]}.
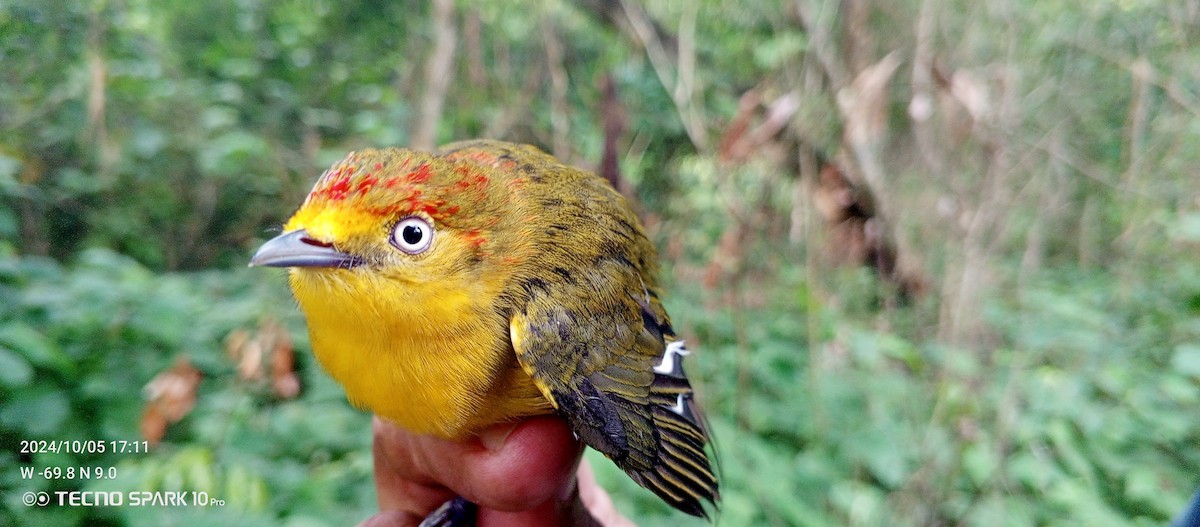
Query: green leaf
{"points": [[1187, 359], [31, 344], [245, 489], [780, 48], [886, 462], [979, 461], [1146, 484], [1186, 228], [1033, 471], [40, 415], [14, 370]]}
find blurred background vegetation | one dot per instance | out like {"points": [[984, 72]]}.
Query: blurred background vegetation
{"points": [[938, 258]]}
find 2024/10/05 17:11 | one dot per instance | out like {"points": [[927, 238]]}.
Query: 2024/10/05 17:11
{"points": [[89, 446]]}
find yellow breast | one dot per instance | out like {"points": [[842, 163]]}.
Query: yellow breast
{"points": [[432, 357]]}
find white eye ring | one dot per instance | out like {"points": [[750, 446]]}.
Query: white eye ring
{"points": [[412, 235]]}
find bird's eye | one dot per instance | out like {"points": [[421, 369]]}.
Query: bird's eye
{"points": [[412, 235]]}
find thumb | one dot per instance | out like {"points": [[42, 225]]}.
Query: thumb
{"points": [[566, 509]]}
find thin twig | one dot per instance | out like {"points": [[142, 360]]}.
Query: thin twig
{"points": [[826, 55], [1139, 66], [666, 72], [560, 121], [1085, 171]]}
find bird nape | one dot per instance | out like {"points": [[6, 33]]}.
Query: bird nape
{"points": [[486, 282]]}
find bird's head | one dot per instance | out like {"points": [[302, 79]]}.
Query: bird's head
{"points": [[398, 260], [396, 219]]}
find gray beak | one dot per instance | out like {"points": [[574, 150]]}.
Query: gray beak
{"points": [[298, 249]]}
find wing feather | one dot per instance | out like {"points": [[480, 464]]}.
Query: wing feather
{"points": [[598, 368]]}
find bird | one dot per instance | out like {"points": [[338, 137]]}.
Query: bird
{"points": [[485, 282]]}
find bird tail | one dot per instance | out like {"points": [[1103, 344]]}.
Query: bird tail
{"points": [[684, 477]]}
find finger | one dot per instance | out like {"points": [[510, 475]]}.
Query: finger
{"points": [[567, 511], [527, 467], [532, 463], [597, 502], [392, 519], [400, 484]]}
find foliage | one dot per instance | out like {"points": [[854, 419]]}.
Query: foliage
{"points": [[78, 343], [1037, 167], [1084, 418]]}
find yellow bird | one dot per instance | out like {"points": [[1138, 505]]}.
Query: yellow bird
{"points": [[487, 282]]}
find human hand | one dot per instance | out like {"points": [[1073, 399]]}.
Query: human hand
{"points": [[519, 474]]}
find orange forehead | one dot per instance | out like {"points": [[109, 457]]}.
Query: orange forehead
{"points": [[396, 182]]}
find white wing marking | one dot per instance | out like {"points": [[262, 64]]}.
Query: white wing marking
{"points": [[678, 408], [675, 350]]}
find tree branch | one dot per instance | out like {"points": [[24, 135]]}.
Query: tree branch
{"points": [[438, 71]]}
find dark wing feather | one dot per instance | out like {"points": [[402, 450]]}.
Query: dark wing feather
{"points": [[598, 366]]}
